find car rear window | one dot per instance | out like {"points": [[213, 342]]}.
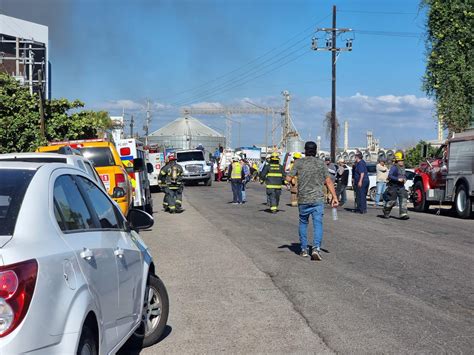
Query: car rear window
{"points": [[190, 156], [14, 183], [100, 156]]}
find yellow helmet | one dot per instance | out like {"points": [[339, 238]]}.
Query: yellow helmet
{"points": [[274, 156], [399, 156], [297, 155]]}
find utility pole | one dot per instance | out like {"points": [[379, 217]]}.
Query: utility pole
{"points": [[286, 119], [147, 122], [333, 94], [41, 107], [131, 126], [331, 45]]}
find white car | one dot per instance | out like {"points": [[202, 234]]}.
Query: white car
{"points": [[410, 174], [75, 277], [371, 168], [66, 156]]}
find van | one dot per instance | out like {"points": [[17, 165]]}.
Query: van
{"points": [[108, 164]]}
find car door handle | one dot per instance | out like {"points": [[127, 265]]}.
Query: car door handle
{"points": [[118, 252], [87, 254]]}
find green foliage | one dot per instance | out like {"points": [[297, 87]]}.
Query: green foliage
{"points": [[449, 76], [19, 119], [414, 155]]}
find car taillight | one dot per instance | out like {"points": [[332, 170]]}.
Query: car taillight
{"points": [[17, 284], [120, 180]]}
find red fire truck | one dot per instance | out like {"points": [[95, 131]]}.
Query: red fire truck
{"points": [[447, 178]]}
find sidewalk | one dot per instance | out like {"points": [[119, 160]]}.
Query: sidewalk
{"points": [[219, 300]]}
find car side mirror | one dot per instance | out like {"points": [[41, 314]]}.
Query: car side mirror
{"points": [[138, 165], [139, 219], [149, 168]]}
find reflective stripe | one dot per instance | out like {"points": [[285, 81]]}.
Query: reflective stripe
{"points": [[275, 174], [165, 203], [179, 201], [274, 208], [173, 187], [163, 172], [236, 171], [273, 186], [274, 165], [172, 207]]}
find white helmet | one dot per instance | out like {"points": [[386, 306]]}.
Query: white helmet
{"points": [[235, 158]]}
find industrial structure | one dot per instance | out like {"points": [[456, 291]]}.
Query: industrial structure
{"points": [[289, 139], [24, 53], [187, 133]]}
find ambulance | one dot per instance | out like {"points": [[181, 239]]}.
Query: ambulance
{"points": [[134, 157]]}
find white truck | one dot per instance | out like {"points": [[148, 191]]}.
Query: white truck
{"points": [[196, 168]]}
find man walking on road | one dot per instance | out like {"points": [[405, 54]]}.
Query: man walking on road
{"points": [[396, 188], [273, 175], [312, 176], [236, 178]]}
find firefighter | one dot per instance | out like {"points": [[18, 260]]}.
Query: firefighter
{"points": [[396, 188], [274, 176], [171, 178], [294, 182]]}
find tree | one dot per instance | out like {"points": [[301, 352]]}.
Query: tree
{"points": [[449, 76], [19, 119], [414, 155]]}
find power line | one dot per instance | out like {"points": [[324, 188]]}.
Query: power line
{"points": [[389, 33], [256, 60], [379, 12], [245, 75], [259, 76]]}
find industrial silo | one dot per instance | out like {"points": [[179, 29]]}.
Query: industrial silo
{"points": [[187, 133]]}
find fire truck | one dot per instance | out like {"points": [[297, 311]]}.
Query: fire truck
{"points": [[447, 178]]}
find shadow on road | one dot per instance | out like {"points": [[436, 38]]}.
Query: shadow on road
{"points": [[295, 248], [135, 349]]}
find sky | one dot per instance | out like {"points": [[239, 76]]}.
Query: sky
{"points": [[116, 54]]}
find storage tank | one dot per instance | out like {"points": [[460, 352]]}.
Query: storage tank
{"points": [[295, 144], [187, 133]]}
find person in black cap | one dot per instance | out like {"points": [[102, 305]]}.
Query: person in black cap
{"points": [[312, 176]]}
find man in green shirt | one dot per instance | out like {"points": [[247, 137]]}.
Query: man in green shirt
{"points": [[312, 176]]}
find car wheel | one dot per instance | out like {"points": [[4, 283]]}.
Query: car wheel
{"points": [[372, 193], [419, 198], [87, 342], [462, 202], [155, 312]]}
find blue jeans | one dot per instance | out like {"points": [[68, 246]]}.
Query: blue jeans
{"points": [[362, 196], [316, 211], [237, 191], [381, 186]]}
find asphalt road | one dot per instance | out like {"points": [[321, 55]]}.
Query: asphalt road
{"points": [[237, 285]]}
